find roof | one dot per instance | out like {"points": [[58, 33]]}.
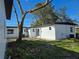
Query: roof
{"points": [[16, 27], [66, 23], [8, 8], [63, 23]]}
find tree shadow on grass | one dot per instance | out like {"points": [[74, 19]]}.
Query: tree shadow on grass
{"points": [[38, 50]]}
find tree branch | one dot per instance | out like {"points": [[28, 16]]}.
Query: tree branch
{"points": [[21, 10], [43, 5], [16, 15], [23, 16]]}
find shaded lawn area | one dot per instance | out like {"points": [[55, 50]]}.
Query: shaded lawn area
{"points": [[65, 49]]}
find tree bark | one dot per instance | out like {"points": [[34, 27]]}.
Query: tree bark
{"points": [[20, 30]]}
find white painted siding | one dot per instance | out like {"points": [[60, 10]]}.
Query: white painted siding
{"points": [[58, 31], [2, 30], [48, 34], [31, 32], [63, 31], [44, 33], [24, 32], [15, 33]]}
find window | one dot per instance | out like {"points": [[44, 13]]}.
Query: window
{"points": [[71, 29], [33, 30], [49, 28], [10, 31]]}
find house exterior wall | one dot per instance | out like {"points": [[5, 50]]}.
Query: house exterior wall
{"points": [[63, 31], [57, 32], [15, 33], [25, 32], [32, 33], [2, 30], [44, 33], [48, 34]]}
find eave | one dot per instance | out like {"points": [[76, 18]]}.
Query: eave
{"points": [[8, 8]]}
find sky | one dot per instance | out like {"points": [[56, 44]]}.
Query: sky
{"points": [[71, 5]]}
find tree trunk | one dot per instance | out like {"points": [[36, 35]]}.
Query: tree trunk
{"points": [[20, 34]]}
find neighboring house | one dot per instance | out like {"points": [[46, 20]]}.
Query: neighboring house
{"points": [[58, 30], [12, 31], [77, 29], [5, 13]]}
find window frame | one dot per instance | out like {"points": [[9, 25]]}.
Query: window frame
{"points": [[71, 29], [10, 31]]}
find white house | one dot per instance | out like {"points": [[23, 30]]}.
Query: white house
{"points": [[12, 32], [59, 30], [5, 13]]}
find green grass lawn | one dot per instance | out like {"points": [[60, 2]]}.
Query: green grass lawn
{"points": [[44, 50], [69, 44]]}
